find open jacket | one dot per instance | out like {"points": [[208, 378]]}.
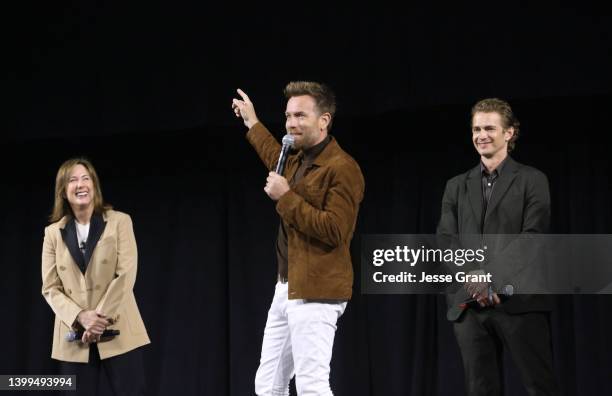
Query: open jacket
{"points": [[106, 284], [320, 212], [519, 204]]}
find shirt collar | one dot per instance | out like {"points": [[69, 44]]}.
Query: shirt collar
{"points": [[313, 152], [497, 171]]}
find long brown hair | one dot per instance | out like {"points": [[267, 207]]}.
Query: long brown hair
{"points": [[61, 207]]}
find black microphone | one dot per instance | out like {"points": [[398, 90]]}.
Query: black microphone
{"points": [[78, 335], [504, 293], [288, 141]]}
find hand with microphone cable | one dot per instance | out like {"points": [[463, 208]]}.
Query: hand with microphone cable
{"points": [[487, 297], [492, 297], [481, 293], [94, 324], [244, 108]]}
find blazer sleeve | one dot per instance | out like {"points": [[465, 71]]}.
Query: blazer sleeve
{"points": [[125, 272], [334, 223], [536, 218], [519, 263], [52, 287], [264, 144], [447, 226]]}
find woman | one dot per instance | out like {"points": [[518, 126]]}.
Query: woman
{"points": [[88, 270]]}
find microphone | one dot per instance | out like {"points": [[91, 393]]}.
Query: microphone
{"points": [[288, 141], [504, 293], [78, 335]]}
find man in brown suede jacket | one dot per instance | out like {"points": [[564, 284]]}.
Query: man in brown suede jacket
{"points": [[317, 200]]}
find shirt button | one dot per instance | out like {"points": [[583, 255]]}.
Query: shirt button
{"points": [[489, 184]]}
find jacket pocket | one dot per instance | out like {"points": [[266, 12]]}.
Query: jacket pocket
{"points": [[324, 261], [106, 243], [314, 196], [134, 320]]}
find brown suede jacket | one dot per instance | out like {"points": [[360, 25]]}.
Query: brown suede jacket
{"points": [[320, 212]]}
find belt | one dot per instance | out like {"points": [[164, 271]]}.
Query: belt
{"points": [[283, 279]]}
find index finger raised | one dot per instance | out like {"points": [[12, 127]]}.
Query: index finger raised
{"points": [[243, 95]]}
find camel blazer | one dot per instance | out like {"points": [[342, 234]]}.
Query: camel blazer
{"points": [[101, 279]]}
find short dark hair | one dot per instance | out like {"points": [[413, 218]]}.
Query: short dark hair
{"points": [[501, 107], [324, 97]]}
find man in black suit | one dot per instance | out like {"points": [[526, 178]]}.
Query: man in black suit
{"points": [[499, 196]]}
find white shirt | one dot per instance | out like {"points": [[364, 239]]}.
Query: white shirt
{"points": [[82, 231]]}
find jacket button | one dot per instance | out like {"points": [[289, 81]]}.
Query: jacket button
{"points": [[69, 291], [62, 268], [98, 287], [105, 261]]}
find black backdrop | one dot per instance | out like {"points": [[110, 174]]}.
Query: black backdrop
{"points": [[145, 94]]}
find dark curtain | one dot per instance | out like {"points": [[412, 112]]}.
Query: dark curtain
{"points": [[206, 231]]}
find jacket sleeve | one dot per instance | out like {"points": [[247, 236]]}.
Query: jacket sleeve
{"points": [[447, 226], [536, 218], [265, 145], [52, 287], [519, 263], [334, 223], [125, 272]]}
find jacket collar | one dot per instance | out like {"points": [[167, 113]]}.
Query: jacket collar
{"points": [[66, 219], [68, 230], [70, 240], [502, 184], [330, 150], [474, 187]]}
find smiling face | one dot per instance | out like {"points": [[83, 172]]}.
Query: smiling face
{"points": [[80, 189], [304, 122], [489, 136]]}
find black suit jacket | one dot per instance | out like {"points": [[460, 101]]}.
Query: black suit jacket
{"points": [[519, 204]]}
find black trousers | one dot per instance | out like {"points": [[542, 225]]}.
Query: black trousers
{"points": [[483, 334], [116, 376]]}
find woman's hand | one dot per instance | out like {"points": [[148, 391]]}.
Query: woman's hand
{"points": [[92, 321], [89, 337]]}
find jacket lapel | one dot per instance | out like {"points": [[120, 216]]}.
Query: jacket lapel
{"points": [[96, 228], [501, 186], [328, 153], [70, 240], [474, 189], [321, 160], [295, 164]]}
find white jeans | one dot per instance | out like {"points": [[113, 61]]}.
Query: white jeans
{"points": [[298, 339]]}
